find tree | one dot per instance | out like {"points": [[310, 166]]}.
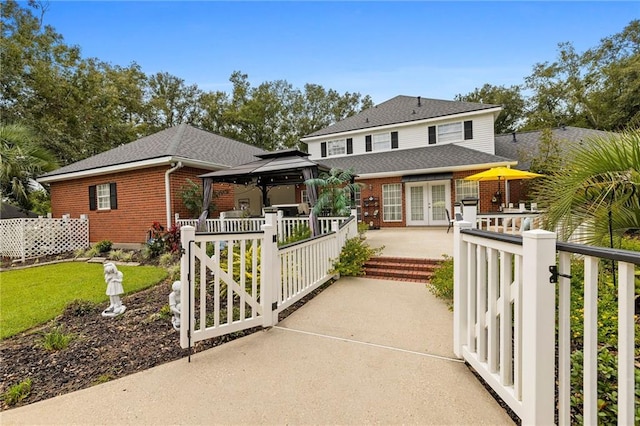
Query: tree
{"points": [[548, 158], [595, 89], [334, 192], [21, 160], [598, 186], [170, 101], [511, 100]]}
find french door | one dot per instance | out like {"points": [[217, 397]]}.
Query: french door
{"points": [[427, 203]]}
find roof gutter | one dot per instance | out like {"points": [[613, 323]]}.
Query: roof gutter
{"points": [[167, 190]]}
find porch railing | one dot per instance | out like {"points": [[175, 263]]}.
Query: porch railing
{"points": [[505, 321], [509, 223]]}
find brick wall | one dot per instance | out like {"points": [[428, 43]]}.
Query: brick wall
{"points": [[373, 187], [141, 201]]}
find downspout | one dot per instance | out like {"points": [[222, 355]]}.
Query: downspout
{"points": [[167, 190]]}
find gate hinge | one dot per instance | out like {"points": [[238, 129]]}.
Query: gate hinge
{"points": [[274, 306], [275, 238], [553, 279]]}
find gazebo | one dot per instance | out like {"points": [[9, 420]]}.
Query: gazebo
{"points": [[285, 167]]}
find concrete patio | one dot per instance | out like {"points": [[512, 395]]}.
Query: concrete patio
{"points": [[414, 242]]}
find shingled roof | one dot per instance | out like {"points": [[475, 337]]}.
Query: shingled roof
{"points": [[401, 109], [180, 143], [438, 157], [514, 145]]}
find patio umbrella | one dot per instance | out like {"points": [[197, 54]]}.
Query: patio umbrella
{"points": [[500, 174]]}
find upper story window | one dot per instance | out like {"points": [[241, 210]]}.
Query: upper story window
{"points": [[381, 142], [337, 147], [451, 132]]}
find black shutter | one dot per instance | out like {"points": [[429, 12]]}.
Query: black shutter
{"points": [[113, 196], [432, 135], [367, 143], [323, 149], [394, 140], [468, 130], [93, 202], [349, 146]]}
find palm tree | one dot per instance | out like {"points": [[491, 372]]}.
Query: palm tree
{"points": [[598, 188], [21, 161], [334, 192]]}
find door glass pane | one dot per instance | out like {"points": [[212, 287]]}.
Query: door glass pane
{"points": [[417, 203], [438, 202]]}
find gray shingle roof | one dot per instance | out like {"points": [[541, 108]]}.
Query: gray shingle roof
{"points": [[401, 109], [407, 160], [526, 143], [183, 142]]}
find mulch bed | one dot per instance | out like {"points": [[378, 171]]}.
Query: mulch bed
{"points": [[102, 349]]}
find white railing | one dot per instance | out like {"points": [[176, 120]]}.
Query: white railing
{"points": [[236, 281], [306, 265], [26, 238], [509, 223], [505, 321], [287, 226]]}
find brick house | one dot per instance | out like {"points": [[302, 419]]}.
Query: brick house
{"points": [[412, 154], [124, 190]]}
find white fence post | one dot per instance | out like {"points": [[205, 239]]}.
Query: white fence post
{"points": [[187, 236], [538, 328], [460, 285], [269, 270], [223, 224]]}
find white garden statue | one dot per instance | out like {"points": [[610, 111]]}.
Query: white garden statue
{"points": [[174, 304], [113, 278]]}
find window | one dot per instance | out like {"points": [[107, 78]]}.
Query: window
{"points": [[451, 132], [304, 197], [382, 142], [392, 202], [103, 197], [337, 147], [466, 189]]}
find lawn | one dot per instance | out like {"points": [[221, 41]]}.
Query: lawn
{"points": [[32, 296]]}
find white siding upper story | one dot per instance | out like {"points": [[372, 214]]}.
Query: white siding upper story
{"points": [[411, 135]]}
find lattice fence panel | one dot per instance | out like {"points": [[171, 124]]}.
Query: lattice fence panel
{"points": [[43, 236]]}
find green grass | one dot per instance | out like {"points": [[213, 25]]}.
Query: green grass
{"points": [[32, 296]]}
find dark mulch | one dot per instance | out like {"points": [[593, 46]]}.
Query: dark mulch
{"points": [[103, 348]]}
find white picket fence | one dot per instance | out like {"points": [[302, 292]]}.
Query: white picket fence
{"points": [[505, 321], [287, 226], [25, 238], [236, 281]]}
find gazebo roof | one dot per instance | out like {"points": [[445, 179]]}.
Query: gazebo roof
{"points": [[273, 168]]}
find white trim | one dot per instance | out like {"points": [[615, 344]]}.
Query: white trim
{"points": [[362, 176], [379, 129], [131, 166]]}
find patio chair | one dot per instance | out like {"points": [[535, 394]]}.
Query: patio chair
{"points": [[449, 220]]}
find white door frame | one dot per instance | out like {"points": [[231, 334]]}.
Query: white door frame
{"points": [[427, 219]]}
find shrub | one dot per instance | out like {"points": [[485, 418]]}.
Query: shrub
{"points": [[80, 308], [120, 255], [17, 392], [353, 256], [91, 252], [56, 339], [300, 233], [441, 283], [79, 253], [174, 272], [167, 259], [161, 241], [103, 246]]}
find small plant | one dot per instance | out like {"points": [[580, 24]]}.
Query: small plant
{"points": [[174, 272], [17, 392], [120, 255], [167, 259], [161, 241], [353, 256], [103, 246], [441, 284], [56, 339], [80, 308], [300, 232], [78, 253], [93, 251], [163, 314], [103, 378], [363, 227]]}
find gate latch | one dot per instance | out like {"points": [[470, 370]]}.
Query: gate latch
{"points": [[553, 279]]}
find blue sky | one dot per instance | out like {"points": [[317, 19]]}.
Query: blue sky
{"points": [[384, 49]]}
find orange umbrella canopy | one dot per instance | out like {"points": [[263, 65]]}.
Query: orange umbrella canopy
{"points": [[502, 173]]}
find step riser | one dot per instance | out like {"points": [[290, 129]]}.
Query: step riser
{"points": [[416, 270]]}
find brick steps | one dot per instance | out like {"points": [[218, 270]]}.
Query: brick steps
{"points": [[400, 269]]}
